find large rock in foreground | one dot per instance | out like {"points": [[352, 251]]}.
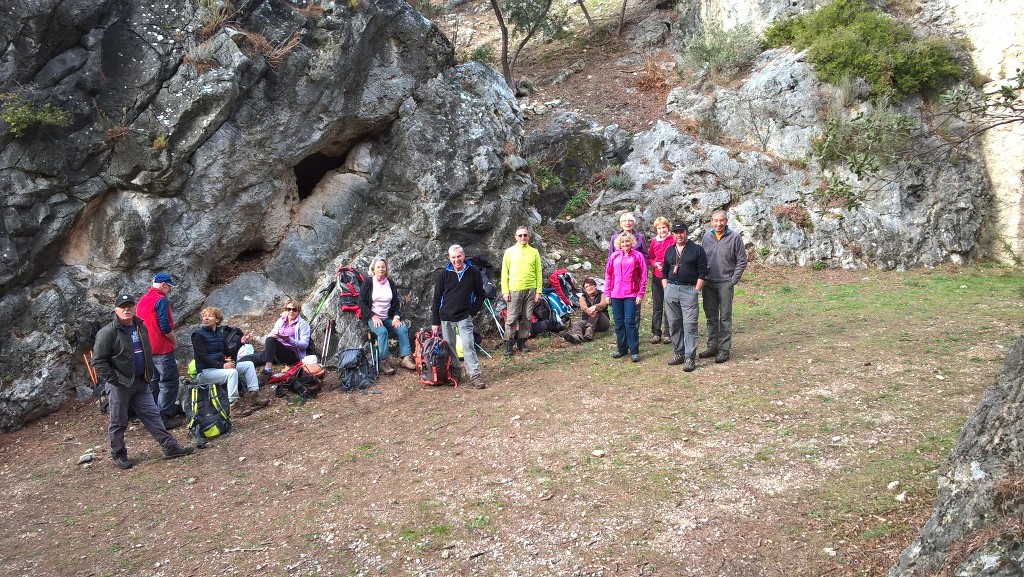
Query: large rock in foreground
{"points": [[975, 529]]}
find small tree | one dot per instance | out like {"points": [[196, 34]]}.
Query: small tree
{"points": [[520, 19]]}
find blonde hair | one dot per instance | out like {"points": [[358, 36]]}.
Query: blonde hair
{"points": [[624, 235], [216, 312], [373, 263], [661, 220]]}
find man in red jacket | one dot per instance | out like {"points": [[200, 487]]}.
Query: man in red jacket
{"points": [[155, 311]]}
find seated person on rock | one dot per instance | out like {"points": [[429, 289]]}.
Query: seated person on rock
{"points": [[214, 364], [287, 343], [380, 305], [594, 309]]}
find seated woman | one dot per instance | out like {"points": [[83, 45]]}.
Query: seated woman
{"points": [[214, 364], [380, 306], [287, 343], [594, 309]]}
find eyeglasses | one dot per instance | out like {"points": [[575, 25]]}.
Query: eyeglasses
{"points": [[522, 236], [290, 309]]}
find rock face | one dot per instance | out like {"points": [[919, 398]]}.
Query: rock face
{"points": [[929, 215], [975, 527], [305, 137]]}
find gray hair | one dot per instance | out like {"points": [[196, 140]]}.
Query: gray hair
{"points": [[721, 212], [456, 248]]}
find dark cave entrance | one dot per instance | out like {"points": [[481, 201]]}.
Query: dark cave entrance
{"points": [[311, 170]]}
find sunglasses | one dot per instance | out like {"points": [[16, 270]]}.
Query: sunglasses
{"points": [[290, 309], [522, 235]]}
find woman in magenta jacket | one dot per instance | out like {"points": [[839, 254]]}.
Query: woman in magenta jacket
{"points": [[625, 281], [656, 256]]}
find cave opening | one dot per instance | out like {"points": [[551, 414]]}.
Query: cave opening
{"points": [[311, 170]]}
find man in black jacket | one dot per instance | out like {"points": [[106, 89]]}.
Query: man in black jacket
{"points": [[124, 363], [683, 274], [458, 297]]}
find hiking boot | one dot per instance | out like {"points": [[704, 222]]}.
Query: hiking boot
{"points": [[618, 354], [385, 366], [176, 450], [174, 422], [509, 346], [722, 357], [655, 339], [588, 335], [521, 343], [570, 338], [477, 381], [240, 408], [677, 360], [666, 340], [407, 363], [263, 378], [689, 366], [122, 461], [255, 401], [708, 354], [635, 358]]}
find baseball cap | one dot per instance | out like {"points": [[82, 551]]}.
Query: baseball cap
{"points": [[163, 277], [125, 298], [680, 227]]}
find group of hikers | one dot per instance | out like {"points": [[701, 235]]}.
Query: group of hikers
{"points": [[134, 355]]}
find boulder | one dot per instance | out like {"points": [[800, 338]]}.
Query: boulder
{"points": [[975, 526]]}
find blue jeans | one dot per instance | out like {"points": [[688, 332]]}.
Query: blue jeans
{"points": [[627, 333], [163, 383], [401, 333]]}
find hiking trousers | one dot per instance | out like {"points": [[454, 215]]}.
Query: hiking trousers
{"points": [[465, 327], [718, 311], [140, 399], [683, 314]]}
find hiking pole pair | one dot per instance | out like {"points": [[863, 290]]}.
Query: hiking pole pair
{"points": [[497, 323], [326, 292]]}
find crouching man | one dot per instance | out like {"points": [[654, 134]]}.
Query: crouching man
{"points": [[124, 362]]}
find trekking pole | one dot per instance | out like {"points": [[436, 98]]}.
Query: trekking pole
{"points": [[490, 309], [328, 333], [92, 371], [326, 292]]}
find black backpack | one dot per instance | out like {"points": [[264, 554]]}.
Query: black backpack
{"points": [[356, 374], [349, 281], [207, 411], [232, 340]]}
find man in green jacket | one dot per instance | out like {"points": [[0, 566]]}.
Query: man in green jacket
{"points": [[521, 284]]}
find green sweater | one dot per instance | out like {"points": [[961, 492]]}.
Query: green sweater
{"points": [[520, 269]]}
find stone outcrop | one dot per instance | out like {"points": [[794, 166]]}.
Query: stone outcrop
{"points": [[975, 527], [930, 215], [285, 134]]}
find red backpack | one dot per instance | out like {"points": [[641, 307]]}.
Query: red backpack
{"points": [[565, 287], [349, 281], [434, 360]]}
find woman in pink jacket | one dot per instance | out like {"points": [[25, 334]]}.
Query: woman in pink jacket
{"points": [[625, 281]]}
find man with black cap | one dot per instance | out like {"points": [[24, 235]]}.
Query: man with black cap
{"points": [[683, 273], [124, 363], [155, 311]]}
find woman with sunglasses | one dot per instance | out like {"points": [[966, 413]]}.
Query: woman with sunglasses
{"points": [[287, 343]]}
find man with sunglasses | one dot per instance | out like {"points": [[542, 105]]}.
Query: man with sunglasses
{"points": [[155, 311], [521, 286]]}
